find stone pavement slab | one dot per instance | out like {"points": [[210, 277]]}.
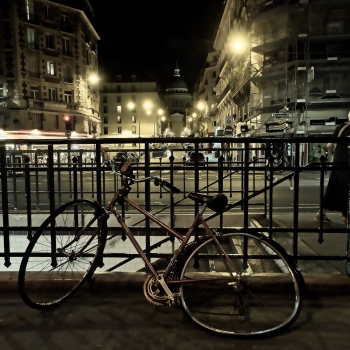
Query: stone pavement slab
{"points": [[127, 321]]}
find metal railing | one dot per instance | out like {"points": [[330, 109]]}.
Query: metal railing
{"points": [[39, 176]]}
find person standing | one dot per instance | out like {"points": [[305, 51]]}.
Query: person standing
{"points": [[337, 191]]}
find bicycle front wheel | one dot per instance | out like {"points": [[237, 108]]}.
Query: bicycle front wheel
{"points": [[256, 292], [62, 254]]}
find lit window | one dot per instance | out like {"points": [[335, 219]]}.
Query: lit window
{"points": [[133, 119], [51, 68], [119, 119], [32, 38], [119, 109], [29, 9], [68, 96], [134, 129], [34, 92], [66, 47], [1, 90], [52, 94]]}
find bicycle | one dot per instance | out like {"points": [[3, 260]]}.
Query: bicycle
{"points": [[239, 284]]}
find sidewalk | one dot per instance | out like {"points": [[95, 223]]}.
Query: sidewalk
{"points": [[126, 321], [110, 312]]}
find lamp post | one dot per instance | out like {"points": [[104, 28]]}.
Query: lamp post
{"points": [[201, 107], [161, 118]]}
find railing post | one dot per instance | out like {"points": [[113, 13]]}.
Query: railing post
{"points": [[28, 195], [5, 206]]}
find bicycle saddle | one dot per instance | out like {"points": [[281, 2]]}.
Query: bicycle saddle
{"points": [[216, 203]]}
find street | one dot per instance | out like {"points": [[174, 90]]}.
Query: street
{"points": [[184, 179]]}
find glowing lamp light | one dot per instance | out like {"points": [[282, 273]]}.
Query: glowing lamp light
{"points": [[93, 78]]}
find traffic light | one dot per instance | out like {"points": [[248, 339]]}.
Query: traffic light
{"points": [[68, 121]]}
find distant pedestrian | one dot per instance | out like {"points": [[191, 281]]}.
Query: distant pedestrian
{"points": [[337, 192]]}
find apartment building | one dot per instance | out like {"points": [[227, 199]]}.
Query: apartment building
{"points": [[205, 95], [284, 68], [48, 70], [131, 107]]}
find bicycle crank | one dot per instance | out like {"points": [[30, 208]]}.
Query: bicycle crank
{"points": [[154, 292]]}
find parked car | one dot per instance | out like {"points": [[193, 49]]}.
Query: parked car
{"points": [[131, 156], [192, 158]]}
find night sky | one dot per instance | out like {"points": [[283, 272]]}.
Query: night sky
{"points": [[151, 36]]}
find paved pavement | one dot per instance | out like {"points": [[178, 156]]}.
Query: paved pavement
{"points": [[111, 312], [127, 321]]}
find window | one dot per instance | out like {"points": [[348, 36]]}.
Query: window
{"points": [[133, 98], [105, 109], [333, 82], [133, 87], [68, 96], [214, 74], [57, 122], [134, 130], [48, 13], [119, 119], [37, 121], [67, 74], [32, 38], [105, 130], [1, 90], [104, 99], [119, 88], [64, 17], [214, 90], [119, 109], [51, 68], [33, 67], [88, 57], [34, 92], [50, 41], [66, 47], [52, 94], [105, 120], [133, 119], [29, 9], [119, 130], [119, 99], [335, 27]]}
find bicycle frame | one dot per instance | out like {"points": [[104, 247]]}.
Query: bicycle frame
{"points": [[111, 208]]}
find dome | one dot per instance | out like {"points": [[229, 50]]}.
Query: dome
{"points": [[177, 84]]}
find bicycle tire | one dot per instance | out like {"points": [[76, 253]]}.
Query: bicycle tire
{"points": [[263, 297], [44, 282]]}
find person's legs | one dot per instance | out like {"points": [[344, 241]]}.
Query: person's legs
{"points": [[325, 218]]}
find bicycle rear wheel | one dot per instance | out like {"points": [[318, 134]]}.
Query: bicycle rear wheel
{"points": [[54, 266], [260, 294]]}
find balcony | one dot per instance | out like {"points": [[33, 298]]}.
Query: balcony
{"points": [[33, 74]]}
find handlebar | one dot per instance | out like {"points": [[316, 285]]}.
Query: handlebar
{"points": [[123, 168]]}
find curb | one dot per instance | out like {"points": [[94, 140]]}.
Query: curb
{"points": [[107, 282]]}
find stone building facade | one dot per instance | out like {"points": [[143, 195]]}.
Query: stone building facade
{"points": [[48, 69]]}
